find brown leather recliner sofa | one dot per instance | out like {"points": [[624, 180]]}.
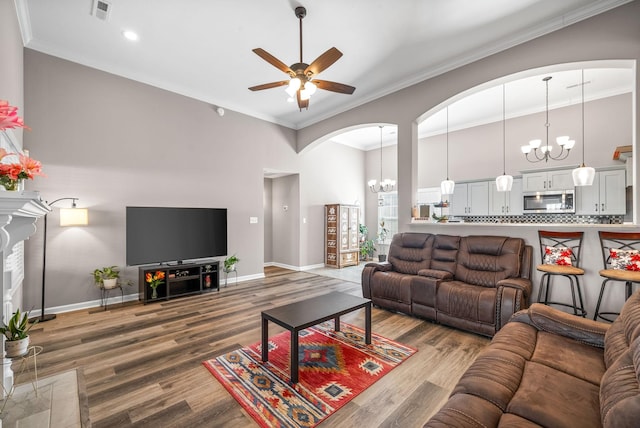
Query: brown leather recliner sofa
{"points": [[473, 283], [552, 369]]}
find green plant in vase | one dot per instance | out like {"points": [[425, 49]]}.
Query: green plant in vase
{"points": [[17, 334], [367, 248], [230, 263], [107, 277]]}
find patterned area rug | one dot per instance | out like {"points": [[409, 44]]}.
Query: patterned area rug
{"points": [[334, 367]]}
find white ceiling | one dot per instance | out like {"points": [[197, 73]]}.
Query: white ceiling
{"points": [[202, 48]]}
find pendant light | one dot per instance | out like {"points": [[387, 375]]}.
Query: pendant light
{"points": [[584, 175], [386, 185], [447, 186], [504, 181]]}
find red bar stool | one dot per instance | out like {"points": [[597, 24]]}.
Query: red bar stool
{"points": [[621, 259], [560, 255]]}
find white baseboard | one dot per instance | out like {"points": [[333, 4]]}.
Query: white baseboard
{"points": [[127, 298], [296, 268], [309, 267], [84, 305], [284, 266]]}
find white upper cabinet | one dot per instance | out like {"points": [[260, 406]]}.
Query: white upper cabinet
{"points": [[470, 199], [506, 203], [547, 180], [607, 195]]}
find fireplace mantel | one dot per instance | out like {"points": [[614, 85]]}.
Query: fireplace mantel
{"points": [[19, 212]]}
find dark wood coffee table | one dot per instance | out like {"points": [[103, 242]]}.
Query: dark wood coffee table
{"points": [[306, 313]]}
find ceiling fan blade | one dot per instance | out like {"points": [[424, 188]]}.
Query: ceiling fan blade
{"points": [[269, 85], [334, 86], [323, 61], [273, 60]]}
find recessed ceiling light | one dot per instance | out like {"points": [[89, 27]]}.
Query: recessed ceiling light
{"points": [[130, 35]]}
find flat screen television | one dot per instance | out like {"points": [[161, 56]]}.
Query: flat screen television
{"points": [[166, 234]]}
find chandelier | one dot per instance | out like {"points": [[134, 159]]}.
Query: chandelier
{"points": [[543, 153], [385, 185]]}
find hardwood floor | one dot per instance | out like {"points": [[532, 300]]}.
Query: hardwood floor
{"points": [[142, 364]]}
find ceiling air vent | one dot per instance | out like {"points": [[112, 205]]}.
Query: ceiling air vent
{"points": [[101, 9]]}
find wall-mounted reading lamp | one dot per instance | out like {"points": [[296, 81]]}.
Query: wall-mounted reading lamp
{"points": [[68, 217]]}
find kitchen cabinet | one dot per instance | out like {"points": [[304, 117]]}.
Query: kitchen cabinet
{"points": [[547, 180], [470, 199], [506, 203], [607, 195]]}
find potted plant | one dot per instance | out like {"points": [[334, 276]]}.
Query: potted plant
{"points": [[230, 263], [107, 277], [16, 333], [364, 231], [367, 248], [382, 246]]}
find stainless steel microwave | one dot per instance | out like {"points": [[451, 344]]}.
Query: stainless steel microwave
{"points": [[550, 201]]}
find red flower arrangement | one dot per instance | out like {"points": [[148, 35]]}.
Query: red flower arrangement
{"points": [[9, 118], [12, 173], [25, 168]]}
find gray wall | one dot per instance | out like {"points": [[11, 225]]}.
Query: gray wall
{"points": [[11, 66], [113, 142], [285, 215], [331, 173], [268, 220], [608, 124], [612, 35]]}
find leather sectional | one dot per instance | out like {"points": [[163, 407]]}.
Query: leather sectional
{"points": [[552, 369], [474, 283]]}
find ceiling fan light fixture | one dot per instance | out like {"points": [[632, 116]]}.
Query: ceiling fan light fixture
{"points": [[304, 95], [302, 72], [310, 87], [294, 84]]}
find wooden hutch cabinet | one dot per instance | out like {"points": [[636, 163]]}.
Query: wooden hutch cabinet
{"points": [[341, 235]]}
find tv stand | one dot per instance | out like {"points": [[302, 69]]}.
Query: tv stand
{"points": [[179, 280]]}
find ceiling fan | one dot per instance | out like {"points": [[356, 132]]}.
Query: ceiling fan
{"points": [[302, 83]]}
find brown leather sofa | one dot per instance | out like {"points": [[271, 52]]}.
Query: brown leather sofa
{"points": [[552, 369], [473, 282]]}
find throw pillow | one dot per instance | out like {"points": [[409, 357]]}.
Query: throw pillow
{"points": [[558, 256], [624, 259]]}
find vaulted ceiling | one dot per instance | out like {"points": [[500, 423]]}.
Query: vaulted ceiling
{"points": [[203, 49]]}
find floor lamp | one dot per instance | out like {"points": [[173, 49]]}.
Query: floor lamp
{"points": [[68, 217]]}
